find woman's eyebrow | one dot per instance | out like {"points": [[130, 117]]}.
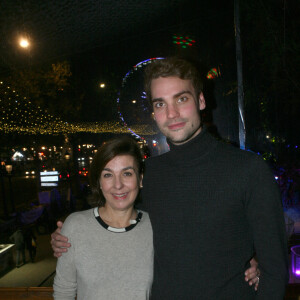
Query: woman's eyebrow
{"points": [[124, 169]]}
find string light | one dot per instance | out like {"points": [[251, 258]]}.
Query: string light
{"points": [[23, 117]]}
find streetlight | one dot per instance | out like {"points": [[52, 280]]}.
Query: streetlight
{"points": [[67, 156], [9, 168], [24, 43]]}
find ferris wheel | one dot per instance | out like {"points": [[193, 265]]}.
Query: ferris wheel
{"points": [[132, 104]]}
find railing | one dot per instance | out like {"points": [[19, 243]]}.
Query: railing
{"points": [[45, 293], [29, 293], [292, 292]]}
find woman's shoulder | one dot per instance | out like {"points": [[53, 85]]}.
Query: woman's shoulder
{"points": [[76, 219], [145, 216], [143, 212]]}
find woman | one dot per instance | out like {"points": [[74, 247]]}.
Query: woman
{"points": [[112, 247]]}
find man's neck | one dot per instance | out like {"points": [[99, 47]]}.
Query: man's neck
{"points": [[197, 132]]}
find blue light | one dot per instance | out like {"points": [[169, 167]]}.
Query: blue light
{"points": [[134, 68]]}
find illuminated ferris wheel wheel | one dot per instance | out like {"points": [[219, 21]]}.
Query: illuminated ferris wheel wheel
{"points": [[132, 104]]}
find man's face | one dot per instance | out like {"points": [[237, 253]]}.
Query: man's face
{"points": [[176, 108]]}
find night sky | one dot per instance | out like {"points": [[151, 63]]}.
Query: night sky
{"points": [[103, 40]]}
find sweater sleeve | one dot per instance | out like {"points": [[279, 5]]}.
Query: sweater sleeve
{"points": [[65, 283], [265, 216]]}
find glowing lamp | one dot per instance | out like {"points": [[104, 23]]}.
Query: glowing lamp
{"points": [[295, 251], [8, 168], [24, 43], [67, 155]]}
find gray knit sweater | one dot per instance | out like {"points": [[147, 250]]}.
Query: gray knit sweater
{"points": [[102, 264]]}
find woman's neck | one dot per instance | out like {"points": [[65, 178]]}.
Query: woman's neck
{"points": [[117, 219]]}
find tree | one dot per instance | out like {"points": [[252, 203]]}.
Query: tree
{"points": [[49, 87]]}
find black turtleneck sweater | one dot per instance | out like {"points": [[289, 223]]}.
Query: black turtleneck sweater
{"points": [[212, 206]]}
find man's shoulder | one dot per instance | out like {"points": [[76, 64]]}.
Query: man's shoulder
{"points": [[156, 160], [238, 159], [235, 152]]}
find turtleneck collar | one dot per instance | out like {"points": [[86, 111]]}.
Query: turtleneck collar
{"points": [[195, 148]]}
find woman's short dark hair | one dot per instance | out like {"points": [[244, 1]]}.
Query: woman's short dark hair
{"points": [[123, 145]]}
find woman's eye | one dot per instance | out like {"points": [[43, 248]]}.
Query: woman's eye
{"points": [[106, 175], [128, 174]]}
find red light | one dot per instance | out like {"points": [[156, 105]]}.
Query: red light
{"points": [[79, 172], [68, 175], [83, 169], [60, 176], [79, 149], [84, 174], [145, 156]]}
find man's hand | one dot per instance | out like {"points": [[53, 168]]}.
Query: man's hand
{"points": [[59, 242], [252, 274]]}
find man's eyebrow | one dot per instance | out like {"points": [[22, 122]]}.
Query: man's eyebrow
{"points": [[181, 93], [156, 100], [174, 96]]}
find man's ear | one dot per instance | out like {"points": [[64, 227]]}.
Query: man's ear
{"points": [[202, 104]]}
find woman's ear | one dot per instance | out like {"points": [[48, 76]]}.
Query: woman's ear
{"points": [[141, 181]]}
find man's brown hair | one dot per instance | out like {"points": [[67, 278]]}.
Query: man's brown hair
{"points": [[172, 67]]}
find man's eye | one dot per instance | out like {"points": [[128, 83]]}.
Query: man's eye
{"points": [[158, 104], [182, 99]]}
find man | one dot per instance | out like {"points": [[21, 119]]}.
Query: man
{"points": [[212, 206]]}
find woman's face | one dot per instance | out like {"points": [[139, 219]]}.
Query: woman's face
{"points": [[120, 182]]}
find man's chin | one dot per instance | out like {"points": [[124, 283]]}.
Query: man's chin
{"points": [[179, 139]]}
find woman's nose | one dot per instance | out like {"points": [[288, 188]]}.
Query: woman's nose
{"points": [[118, 182]]}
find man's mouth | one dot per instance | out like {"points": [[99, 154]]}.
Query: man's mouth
{"points": [[176, 126]]}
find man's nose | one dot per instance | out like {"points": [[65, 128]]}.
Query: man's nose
{"points": [[172, 112]]}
